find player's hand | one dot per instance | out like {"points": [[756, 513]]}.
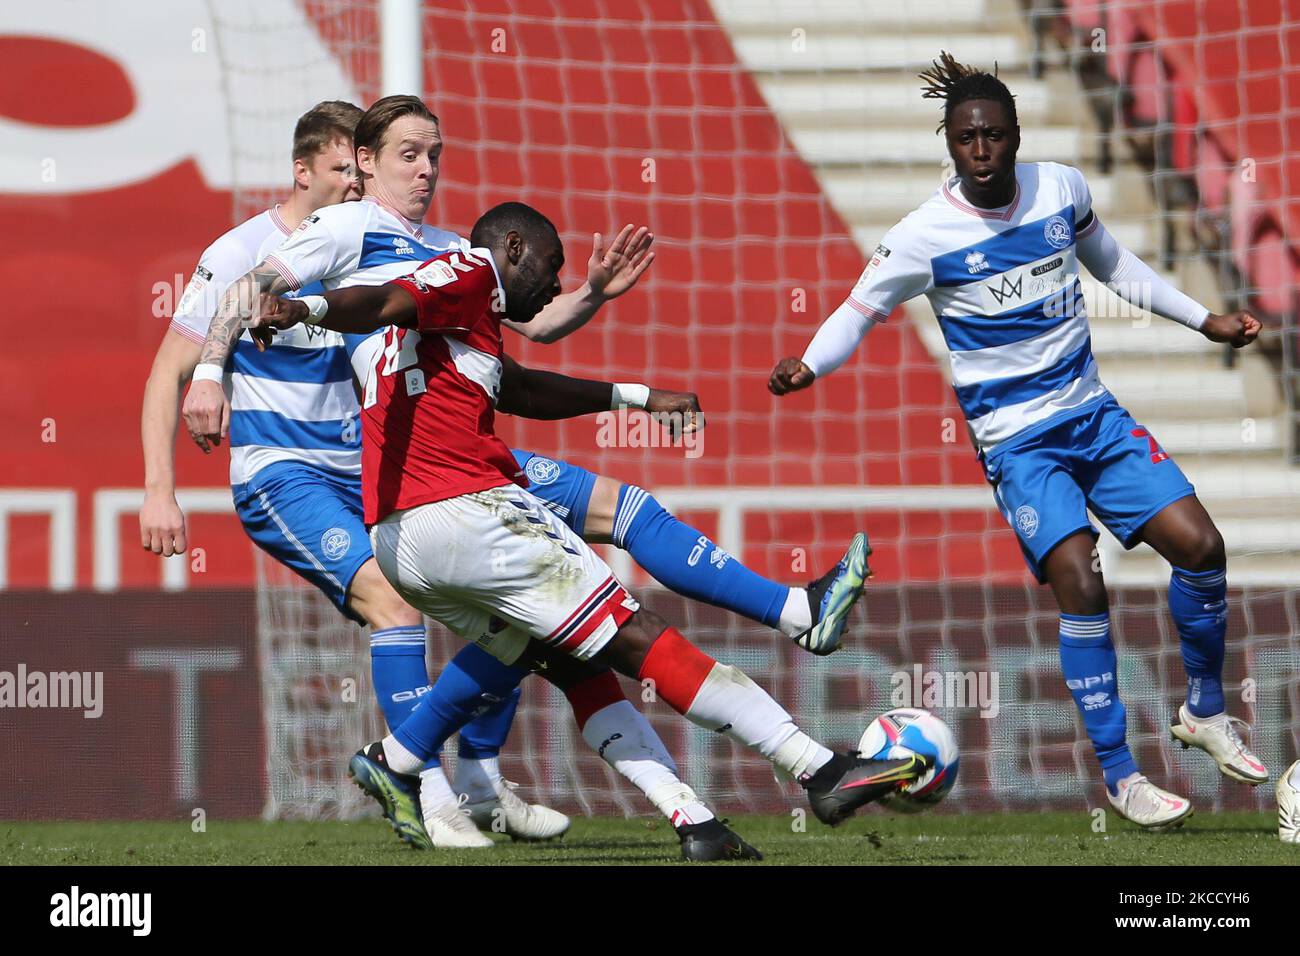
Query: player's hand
{"points": [[162, 525], [1237, 329], [612, 271], [207, 414], [272, 312], [790, 375], [678, 411]]}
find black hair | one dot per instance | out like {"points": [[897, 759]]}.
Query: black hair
{"points": [[956, 83], [495, 224]]}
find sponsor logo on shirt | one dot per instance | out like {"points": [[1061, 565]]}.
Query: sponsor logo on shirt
{"points": [[437, 273], [402, 247], [976, 262], [308, 222], [1008, 288], [1029, 283]]}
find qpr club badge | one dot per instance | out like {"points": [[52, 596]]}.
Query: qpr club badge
{"points": [[1027, 521], [335, 543], [1057, 232], [541, 471]]}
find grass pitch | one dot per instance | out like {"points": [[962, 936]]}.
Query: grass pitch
{"points": [[1062, 839]]}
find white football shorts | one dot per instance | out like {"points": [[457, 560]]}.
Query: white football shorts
{"points": [[498, 567]]}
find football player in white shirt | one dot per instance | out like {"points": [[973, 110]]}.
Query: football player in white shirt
{"points": [[324, 173], [996, 250]]}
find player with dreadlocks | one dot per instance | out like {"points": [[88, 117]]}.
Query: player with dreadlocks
{"points": [[996, 250]]}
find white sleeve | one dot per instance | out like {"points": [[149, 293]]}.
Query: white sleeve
{"points": [[899, 270], [1133, 280], [219, 266], [327, 244], [837, 339]]}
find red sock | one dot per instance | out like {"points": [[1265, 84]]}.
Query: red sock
{"points": [[592, 694], [678, 669]]}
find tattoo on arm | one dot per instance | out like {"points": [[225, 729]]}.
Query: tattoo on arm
{"points": [[237, 302]]}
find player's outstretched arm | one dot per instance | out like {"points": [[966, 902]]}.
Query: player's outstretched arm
{"points": [[610, 273], [206, 410], [162, 524], [830, 348], [1134, 281], [357, 310], [535, 393]]}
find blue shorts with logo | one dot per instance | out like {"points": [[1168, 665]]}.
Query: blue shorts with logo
{"points": [[312, 520], [565, 488], [309, 520], [1099, 458]]}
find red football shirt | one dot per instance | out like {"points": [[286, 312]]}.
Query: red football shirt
{"points": [[430, 398]]}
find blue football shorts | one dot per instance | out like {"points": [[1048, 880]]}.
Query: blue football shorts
{"points": [[1100, 459]]}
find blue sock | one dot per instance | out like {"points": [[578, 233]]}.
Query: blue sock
{"points": [[683, 559], [1088, 663], [1198, 601], [397, 670], [472, 681], [485, 735]]}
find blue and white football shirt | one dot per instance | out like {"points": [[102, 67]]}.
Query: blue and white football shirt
{"points": [[1004, 284], [296, 401]]}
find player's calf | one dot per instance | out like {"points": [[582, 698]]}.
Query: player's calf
{"points": [[723, 699]]}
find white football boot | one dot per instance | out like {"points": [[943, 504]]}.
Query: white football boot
{"points": [[1218, 737], [1140, 801], [450, 827], [1288, 806], [522, 821]]}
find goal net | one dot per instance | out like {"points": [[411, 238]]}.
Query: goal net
{"points": [[770, 146]]}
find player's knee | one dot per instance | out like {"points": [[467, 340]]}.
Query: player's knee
{"points": [[627, 651], [1205, 551], [1082, 591], [392, 612]]}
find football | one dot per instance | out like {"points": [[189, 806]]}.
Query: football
{"points": [[920, 731]]}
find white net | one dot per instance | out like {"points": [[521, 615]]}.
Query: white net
{"points": [[769, 145]]}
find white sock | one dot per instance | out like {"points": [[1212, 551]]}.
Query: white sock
{"points": [[1295, 776], [399, 758], [796, 616], [478, 779], [434, 788], [624, 739], [730, 702]]}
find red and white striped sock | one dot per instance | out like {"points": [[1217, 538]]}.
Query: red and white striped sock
{"points": [[722, 698], [624, 739]]}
